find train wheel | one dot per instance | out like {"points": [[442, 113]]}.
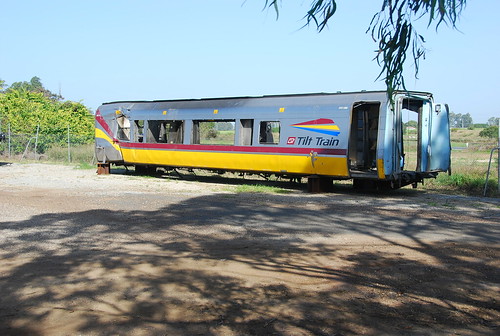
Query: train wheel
{"points": [[385, 185], [145, 170], [316, 184], [361, 184]]}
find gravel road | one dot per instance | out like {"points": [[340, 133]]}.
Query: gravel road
{"points": [[122, 254]]}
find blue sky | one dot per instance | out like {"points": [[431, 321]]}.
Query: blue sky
{"points": [[106, 50]]}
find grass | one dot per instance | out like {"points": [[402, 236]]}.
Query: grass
{"points": [[85, 165], [469, 166], [260, 188], [221, 138], [80, 154], [459, 144], [465, 182]]}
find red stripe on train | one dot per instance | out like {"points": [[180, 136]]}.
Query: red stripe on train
{"points": [[104, 125], [237, 149]]}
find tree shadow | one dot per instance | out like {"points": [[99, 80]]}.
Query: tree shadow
{"points": [[236, 179], [234, 264]]}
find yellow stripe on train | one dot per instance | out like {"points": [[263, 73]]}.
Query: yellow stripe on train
{"points": [[100, 134], [294, 164]]}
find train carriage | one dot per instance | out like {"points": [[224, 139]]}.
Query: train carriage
{"points": [[323, 136]]}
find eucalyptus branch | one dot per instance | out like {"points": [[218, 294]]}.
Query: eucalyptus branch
{"points": [[395, 33], [392, 28]]}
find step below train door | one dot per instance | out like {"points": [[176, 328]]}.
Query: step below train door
{"points": [[363, 140]]}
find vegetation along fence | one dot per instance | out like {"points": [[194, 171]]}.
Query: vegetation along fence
{"points": [[60, 147]]}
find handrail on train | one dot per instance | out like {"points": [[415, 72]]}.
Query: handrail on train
{"points": [[488, 173]]}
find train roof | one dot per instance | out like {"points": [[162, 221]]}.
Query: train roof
{"points": [[338, 93]]}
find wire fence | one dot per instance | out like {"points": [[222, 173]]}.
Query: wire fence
{"points": [[61, 147]]}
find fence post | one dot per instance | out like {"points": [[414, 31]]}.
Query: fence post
{"points": [[9, 139], [26, 149], [489, 168], [69, 148], [36, 138]]}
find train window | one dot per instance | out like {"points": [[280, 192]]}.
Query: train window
{"points": [[246, 132], [139, 130], [161, 131], [123, 128], [269, 132], [173, 131], [154, 131], [216, 132]]}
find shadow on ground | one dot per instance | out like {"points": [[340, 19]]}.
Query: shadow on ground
{"points": [[238, 179], [230, 265]]}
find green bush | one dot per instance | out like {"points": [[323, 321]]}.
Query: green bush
{"points": [[489, 132], [27, 112]]}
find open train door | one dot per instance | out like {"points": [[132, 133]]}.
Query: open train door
{"points": [[439, 142]]}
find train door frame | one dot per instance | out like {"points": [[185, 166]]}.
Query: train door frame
{"points": [[412, 158], [363, 137]]}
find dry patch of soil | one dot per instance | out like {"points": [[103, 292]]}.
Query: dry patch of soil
{"points": [[83, 254]]}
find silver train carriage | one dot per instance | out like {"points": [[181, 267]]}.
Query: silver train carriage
{"points": [[359, 135]]}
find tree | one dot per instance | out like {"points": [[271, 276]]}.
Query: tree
{"points": [[459, 120], [467, 120], [455, 119], [411, 123], [35, 85], [493, 121], [29, 112], [393, 29]]}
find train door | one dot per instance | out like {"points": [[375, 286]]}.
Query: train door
{"points": [[439, 143], [425, 136], [363, 137]]}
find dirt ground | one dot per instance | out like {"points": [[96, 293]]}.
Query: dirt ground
{"points": [[122, 254]]}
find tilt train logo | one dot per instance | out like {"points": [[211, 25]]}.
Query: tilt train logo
{"points": [[323, 126]]}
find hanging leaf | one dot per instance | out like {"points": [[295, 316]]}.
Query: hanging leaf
{"points": [[392, 28]]}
